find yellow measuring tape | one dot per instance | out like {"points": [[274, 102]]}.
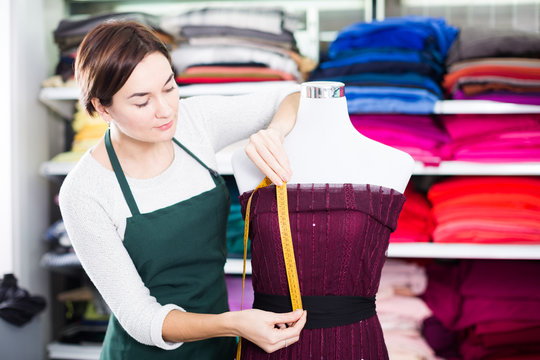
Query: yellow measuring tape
{"points": [[286, 244]]}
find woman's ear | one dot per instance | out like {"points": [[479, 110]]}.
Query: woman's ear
{"points": [[101, 110]]}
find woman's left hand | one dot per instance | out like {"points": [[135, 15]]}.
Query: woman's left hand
{"points": [[266, 150]]}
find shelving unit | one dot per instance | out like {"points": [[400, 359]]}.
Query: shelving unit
{"points": [[61, 101], [402, 250]]}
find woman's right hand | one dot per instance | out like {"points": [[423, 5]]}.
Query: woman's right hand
{"points": [[271, 331]]}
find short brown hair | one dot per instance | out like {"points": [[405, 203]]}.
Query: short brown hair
{"points": [[107, 56]]}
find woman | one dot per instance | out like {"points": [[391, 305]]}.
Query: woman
{"points": [[146, 212]]}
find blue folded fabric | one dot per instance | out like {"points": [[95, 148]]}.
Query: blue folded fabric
{"points": [[378, 55], [427, 54], [408, 32], [383, 79], [389, 100], [389, 67]]}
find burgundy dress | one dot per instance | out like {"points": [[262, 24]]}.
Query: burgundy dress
{"points": [[340, 237]]}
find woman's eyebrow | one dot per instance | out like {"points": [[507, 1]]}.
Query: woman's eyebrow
{"points": [[146, 93]]}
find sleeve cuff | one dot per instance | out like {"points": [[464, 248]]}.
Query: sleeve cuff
{"points": [[157, 327]]}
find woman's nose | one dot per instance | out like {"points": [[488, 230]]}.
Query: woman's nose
{"points": [[164, 109]]}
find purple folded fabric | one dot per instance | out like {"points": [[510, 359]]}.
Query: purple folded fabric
{"points": [[503, 280], [441, 340], [527, 98], [234, 289]]}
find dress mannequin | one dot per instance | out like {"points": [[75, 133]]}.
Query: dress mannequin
{"points": [[324, 147], [344, 199]]}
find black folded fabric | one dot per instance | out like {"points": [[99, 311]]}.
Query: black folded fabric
{"points": [[70, 32], [16, 305]]}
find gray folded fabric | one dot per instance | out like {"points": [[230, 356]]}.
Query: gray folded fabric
{"points": [[502, 61], [54, 261], [190, 31], [479, 42], [236, 40], [271, 20]]}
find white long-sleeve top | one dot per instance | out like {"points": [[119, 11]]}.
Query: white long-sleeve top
{"points": [[94, 209]]}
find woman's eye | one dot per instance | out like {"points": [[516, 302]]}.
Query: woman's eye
{"points": [[141, 105], [169, 89]]}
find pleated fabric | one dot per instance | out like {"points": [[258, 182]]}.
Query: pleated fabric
{"points": [[340, 236]]}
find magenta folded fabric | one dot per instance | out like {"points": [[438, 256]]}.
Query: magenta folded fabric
{"points": [[510, 279], [493, 306], [493, 137], [420, 136]]}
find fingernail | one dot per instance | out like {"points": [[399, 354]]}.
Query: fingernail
{"points": [[298, 311]]}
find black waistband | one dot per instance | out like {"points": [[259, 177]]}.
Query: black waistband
{"points": [[322, 311]]}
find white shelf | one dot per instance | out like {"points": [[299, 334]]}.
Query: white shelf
{"points": [[223, 158], [61, 99], [231, 88], [51, 168], [55, 168], [482, 107], [475, 168], [235, 266], [73, 352], [464, 251], [437, 251]]}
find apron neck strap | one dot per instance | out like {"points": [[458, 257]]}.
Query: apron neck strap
{"points": [[128, 195], [120, 176], [214, 173]]}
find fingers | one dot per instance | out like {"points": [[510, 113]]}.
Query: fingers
{"points": [[290, 317], [269, 330], [291, 334], [267, 153]]}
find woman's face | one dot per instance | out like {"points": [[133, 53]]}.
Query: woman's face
{"points": [[146, 107]]}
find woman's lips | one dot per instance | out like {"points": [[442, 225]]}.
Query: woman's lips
{"points": [[165, 126]]}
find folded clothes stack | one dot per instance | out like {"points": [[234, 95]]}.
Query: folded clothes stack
{"points": [[390, 66], [421, 136], [224, 45], [484, 309], [401, 311], [70, 32], [493, 137], [88, 131], [490, 209], [414, 224], [494, 64]]}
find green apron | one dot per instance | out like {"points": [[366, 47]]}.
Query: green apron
{"points": [[179, 252]]}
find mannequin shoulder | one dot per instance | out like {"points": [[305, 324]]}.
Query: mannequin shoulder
{"points": [[246, 174], [392, 154]]}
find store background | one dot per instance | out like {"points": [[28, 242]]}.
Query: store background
{"points": [[32, 133]]}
